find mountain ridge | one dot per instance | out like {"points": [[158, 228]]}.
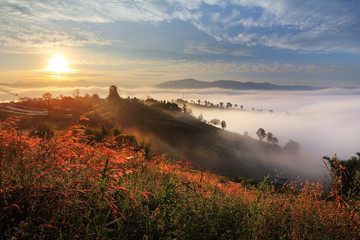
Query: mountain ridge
{"points": [[191, 83]]}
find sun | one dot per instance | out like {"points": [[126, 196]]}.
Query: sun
{"points": [[58, 64]]}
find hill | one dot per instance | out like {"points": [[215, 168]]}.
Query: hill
{"points": [[164, 128], [235, 85], [69, 186]]}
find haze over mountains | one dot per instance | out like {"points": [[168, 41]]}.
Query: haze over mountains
{"points": [[191, 83]]}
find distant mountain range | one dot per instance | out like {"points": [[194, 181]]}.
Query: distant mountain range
{"points": [[227, 84]]}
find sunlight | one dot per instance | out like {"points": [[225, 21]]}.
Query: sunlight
{"points": [[58, 64]]}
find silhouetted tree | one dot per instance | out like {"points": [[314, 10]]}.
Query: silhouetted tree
{"points": [[271, 139], [261, 133], [241, 107], [221, 104], [47, 97], [229, 105], [223, 124], [184, 108], [77, 93], [113, 94]]}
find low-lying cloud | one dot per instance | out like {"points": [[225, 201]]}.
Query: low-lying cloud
{"points": [[323, 122]]}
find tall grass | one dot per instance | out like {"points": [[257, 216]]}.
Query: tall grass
{"points": [[67, 187]]}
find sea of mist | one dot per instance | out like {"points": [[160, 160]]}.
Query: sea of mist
{"points": [[324, 122]]}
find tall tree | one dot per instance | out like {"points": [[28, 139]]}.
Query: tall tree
{"points": [[261, 133], [113, 94]]}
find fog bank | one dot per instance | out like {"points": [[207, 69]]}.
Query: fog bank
{"points": [[323, 122]]}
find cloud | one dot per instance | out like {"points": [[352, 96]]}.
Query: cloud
{"points": [[296, 25], [323, 122], [241, 53], [201, 48]]}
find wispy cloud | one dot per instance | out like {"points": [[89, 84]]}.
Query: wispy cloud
{"points": [[296, 25], [200, 48], [241, 53]]}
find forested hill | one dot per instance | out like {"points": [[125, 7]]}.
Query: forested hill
{"points": [[227, 84], [163, 127]]}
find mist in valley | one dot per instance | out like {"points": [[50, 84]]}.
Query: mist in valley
{"points": [[322, 122]]}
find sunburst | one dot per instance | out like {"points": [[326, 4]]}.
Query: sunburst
{"points": [[58, 64]]}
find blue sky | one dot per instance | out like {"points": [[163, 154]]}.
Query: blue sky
{"points": [[145, 42]]}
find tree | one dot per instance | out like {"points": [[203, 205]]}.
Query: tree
{"points": [[275, 140], [271, 139], [184, 108], [292, 147], [223, 124], [261, 133], [241, 107], [77, 93], [215, 121], [221, 104], [47, 97], [229, 105], [200, 117], [113, 94]]}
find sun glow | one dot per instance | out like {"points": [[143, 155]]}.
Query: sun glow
{"points": [[58, 64]]}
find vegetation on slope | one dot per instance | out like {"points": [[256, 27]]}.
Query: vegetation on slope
{"points": [[70, 187], [164, 128]]}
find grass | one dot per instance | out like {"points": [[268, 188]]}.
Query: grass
{"points": [[68, 187]]}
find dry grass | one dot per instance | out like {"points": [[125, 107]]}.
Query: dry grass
{"points": [[69, 188]]}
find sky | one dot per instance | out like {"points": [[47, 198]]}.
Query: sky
{"points": [[146, 42]]}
